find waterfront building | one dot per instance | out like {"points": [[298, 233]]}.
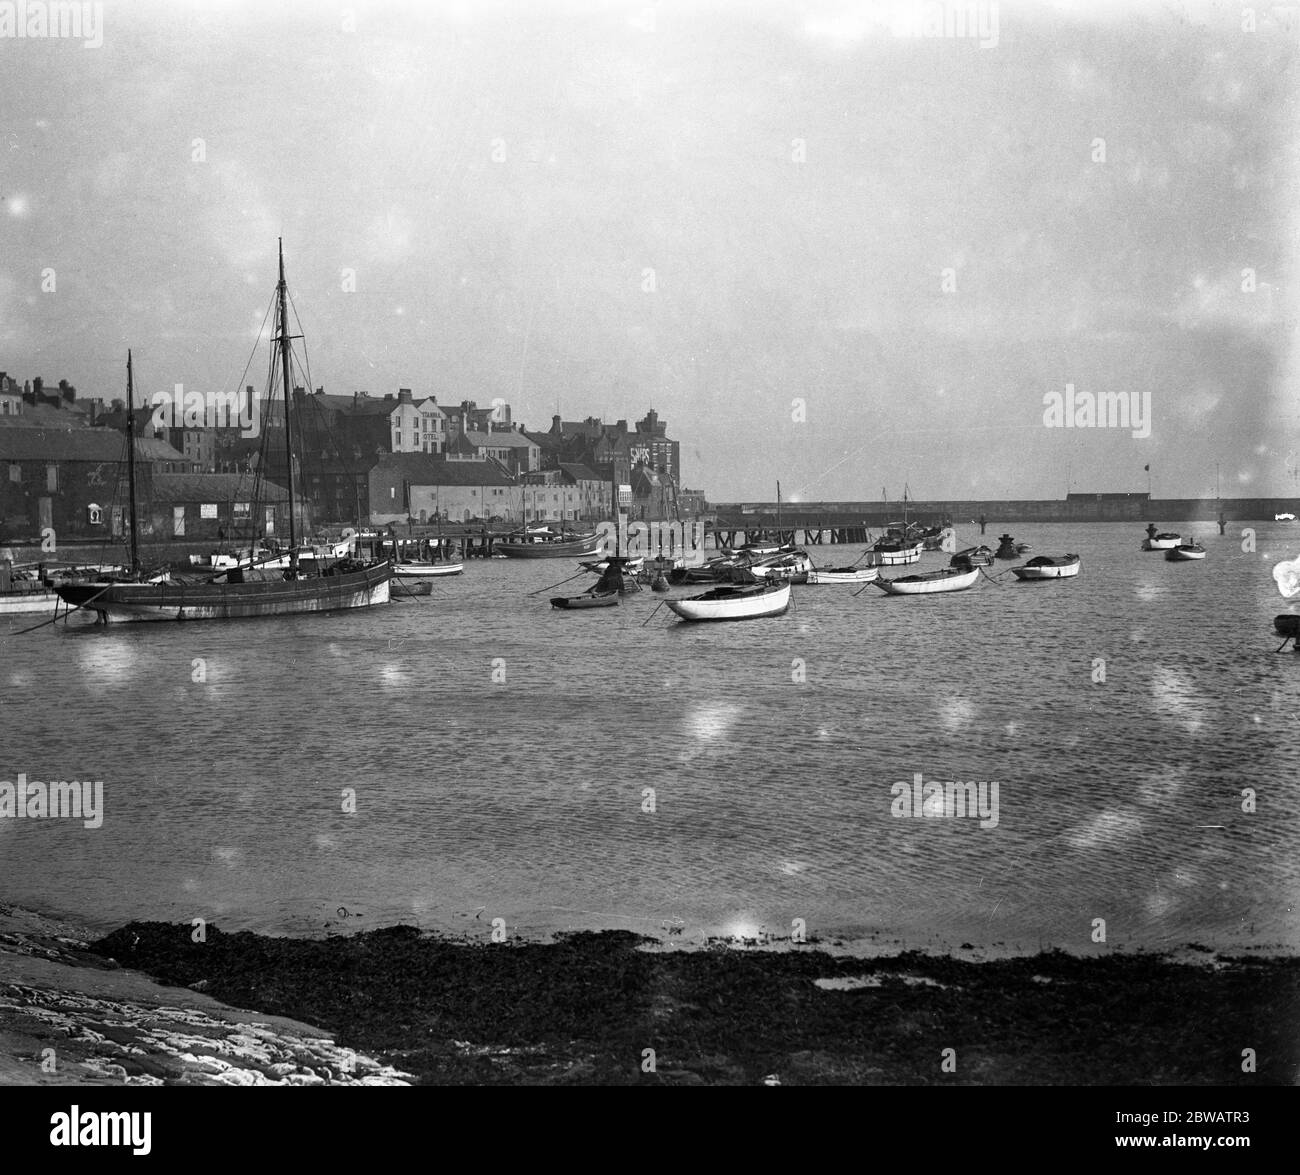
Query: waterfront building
{"points": [[210, 505], [63, 479], [418, 487], [516, 452], [469, 417]]}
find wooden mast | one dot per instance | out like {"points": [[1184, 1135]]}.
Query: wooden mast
{"points": [[288, 439], [130, 460]]}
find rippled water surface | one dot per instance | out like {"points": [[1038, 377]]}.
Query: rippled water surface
{"points": [[1118, 799]]}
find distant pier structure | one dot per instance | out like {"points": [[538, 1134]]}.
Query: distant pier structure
{"points": [[811, 523]]}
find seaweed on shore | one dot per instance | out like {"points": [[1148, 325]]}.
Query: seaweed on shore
{"points": [[587, 1007]]}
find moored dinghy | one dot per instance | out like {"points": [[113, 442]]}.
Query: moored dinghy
{"points": [[1185, 551], [735, 601], [1048, 567], [830, 575], [586, 600], [980, 556], [412, 587], [949, 579], [1160, 540]]}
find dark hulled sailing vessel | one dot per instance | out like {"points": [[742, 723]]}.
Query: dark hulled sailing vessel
{"points": [[244, 591]]}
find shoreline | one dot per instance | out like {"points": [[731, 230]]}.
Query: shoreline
{"points": [[398, 1005], [70, 1017]]}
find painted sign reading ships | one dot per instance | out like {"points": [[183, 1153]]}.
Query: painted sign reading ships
{"points": [[679, 540]]}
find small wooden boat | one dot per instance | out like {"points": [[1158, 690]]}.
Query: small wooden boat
{"points": [[949, 579], [1048, 567], [28, 600], [411, 587], [1008, 548], [832, 575], [546, 544], [586, 600], [422, 570], [616, 578], [631, 566], [893, 553], [792, 566], [1165, 541], [735, 602], [973, 557], [1185, 551]]}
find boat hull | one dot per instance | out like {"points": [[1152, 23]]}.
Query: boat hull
{"points": [[575, 549], [27, 603], [1047, 571], [410, 587], [126, 602], [1184, 554], [893, 558], [930, 583], [577, 602], [830, 575], [1162, 542], [740, 605], [427, 570]]}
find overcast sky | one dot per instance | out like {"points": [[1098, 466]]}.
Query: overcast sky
{"points": [[713, 209]]}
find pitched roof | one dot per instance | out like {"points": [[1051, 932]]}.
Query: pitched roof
{"points": [[499, 440], [645, 480], [545, 440], [66, 444], [152, 449], [426, 469], [45, 416], [579, 472], [358, 406], [214, 487]]}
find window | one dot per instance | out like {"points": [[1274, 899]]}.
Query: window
{"points": [[242, 510], [15, 472], [392, 492], [52, 478]]}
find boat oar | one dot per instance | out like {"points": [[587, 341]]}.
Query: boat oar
{"points": [[553, 586]]}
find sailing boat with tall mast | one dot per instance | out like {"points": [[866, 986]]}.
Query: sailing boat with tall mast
{"points": [[242, 591], [897, 547]]}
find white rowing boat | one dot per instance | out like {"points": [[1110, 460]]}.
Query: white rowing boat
{"points": [[829, 575], [1048, 567], [421, 570], [950, 579], [735, 602], [1185, 551]]}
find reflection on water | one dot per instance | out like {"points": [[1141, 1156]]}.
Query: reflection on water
{"points": [[1123, 714]]}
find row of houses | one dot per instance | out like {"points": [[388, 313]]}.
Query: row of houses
{"points": [[73, 482], [364, 460]]}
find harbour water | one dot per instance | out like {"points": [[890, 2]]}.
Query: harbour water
{"points": [[500, 753]]}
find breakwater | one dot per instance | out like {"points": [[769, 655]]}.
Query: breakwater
{"points": [[1136, 508]]}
